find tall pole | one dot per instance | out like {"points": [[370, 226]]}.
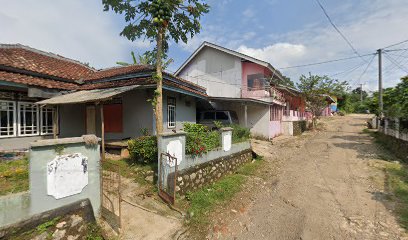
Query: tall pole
{"points": [[380, 88], [361, 92]]}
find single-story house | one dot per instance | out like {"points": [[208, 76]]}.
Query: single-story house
{"points": [[76, 95]]}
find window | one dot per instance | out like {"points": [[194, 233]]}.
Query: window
{"points": [[47, 119], [256, 81], [171, 112], [222, 116], [28, 119], [7, 119], [276, 113], [209, 116]]}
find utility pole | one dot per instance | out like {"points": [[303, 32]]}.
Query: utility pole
{"points": [[361, 92], [380, 88]]}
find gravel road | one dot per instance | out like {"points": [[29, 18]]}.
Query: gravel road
{"points": [[323, 185]]}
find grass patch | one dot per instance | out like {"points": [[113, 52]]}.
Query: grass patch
{"points": [[200, 203], [396, 173], [43, 227], [14, 176], [397, 182], [133, 170]]}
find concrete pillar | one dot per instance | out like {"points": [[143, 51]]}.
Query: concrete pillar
{"points": [[226, 139], [246, 114], [397, 127]]}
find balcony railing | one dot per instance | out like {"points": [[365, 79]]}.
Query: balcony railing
{"points": [[262, 92], [293, 115]]}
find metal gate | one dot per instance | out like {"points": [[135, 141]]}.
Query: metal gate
{"points": [[111, 196], [167, 178]]}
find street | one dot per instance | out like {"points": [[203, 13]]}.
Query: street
{"points": [[323, 185]]}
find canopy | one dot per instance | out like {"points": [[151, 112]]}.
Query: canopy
{"points": [[85, 96]]}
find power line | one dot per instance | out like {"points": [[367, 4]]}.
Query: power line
{"points": [[329, 61], [338, 30], [365, 70], [394, 62], [348, 71], [395, 44]]}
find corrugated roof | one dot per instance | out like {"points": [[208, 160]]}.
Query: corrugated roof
{"points": [[85, 96]]}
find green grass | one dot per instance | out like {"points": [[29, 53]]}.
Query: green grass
{"points": [[14, 176], [43, 227], [133, 170], [203, 201], [397, 182], [396, 174]]}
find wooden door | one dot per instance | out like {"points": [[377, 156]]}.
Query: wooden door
{"points": [[90, 120]]}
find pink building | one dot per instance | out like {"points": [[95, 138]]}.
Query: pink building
{"points": [[239, 83]]}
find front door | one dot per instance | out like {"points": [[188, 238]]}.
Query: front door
{"points": [[90, 120]]}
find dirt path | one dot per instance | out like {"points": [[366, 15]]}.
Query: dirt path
{"points": [[321, 186]]}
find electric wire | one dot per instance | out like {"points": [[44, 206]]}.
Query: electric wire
{"points": [[338, 30]]}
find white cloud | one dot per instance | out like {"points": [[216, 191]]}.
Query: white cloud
{"points": [[249, 13], [76, 29], [279, 54]]}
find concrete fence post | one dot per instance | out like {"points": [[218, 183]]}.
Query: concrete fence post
{"points": [[173, 144], [226, 138], [397, 128], [386, 126]]}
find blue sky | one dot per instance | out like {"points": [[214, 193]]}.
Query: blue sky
{"points": [[284, 33]]}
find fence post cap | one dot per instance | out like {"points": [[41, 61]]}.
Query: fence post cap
{"points": [[224, 129], [170, 134]]}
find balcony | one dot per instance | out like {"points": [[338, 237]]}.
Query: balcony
{"points": [[262, 90], [293, 115]]}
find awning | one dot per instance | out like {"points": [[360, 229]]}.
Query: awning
{"points": [[85, 96]]}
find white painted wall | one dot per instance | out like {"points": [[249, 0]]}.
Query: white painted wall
{"points": [[218, 72], [258, 120]]}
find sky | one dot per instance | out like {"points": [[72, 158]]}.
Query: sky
{"points": [[284, 33]]}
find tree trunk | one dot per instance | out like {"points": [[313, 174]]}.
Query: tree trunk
{"points": [[159, 78]]}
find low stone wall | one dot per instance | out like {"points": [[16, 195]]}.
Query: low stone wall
{"points": [[208, 172], [68, 222], [299, 127]]}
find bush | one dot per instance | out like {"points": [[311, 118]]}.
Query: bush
{"points": [[143, 149], [342, 113], [199, 139], [240, 134]]}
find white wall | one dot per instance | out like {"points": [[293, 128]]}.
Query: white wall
{"points": [[218, 72], [185, 110], [258, 120]]}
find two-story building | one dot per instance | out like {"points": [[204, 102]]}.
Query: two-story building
{"points": [[241, 83]]}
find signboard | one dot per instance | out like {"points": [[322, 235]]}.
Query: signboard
{"points": [[175, 149], [67, 175]]}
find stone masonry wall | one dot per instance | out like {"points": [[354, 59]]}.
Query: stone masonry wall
{"points": [[196, 177], [299, 127]]}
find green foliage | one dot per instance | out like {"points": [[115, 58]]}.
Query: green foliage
{"points": [[205, 199], [240, 134], [199, 139], [43, 227], [143, 149], [14, 176], [180, 19], [315, 90], [94, 232]]}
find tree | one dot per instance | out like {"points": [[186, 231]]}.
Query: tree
{"points": [[316, 89], [283, 82], [159, 21], [144, 59]]}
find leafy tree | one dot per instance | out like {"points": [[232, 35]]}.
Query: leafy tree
{"points": [[285, 82], [145, 59], [159, 21], [316, 89]]}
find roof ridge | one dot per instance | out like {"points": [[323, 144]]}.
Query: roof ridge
{"points": [[45, 53], [117, 67]]}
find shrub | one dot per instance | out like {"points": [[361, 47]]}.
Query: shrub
{"points": [[199, 139], [240, 134], [143, 149], [342, 113]]}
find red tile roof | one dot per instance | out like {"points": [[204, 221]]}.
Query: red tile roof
{"points": [[30, 59], [25, 65], [36, 81]]}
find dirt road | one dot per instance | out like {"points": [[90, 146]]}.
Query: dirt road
{"points": [[324, 185]]}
